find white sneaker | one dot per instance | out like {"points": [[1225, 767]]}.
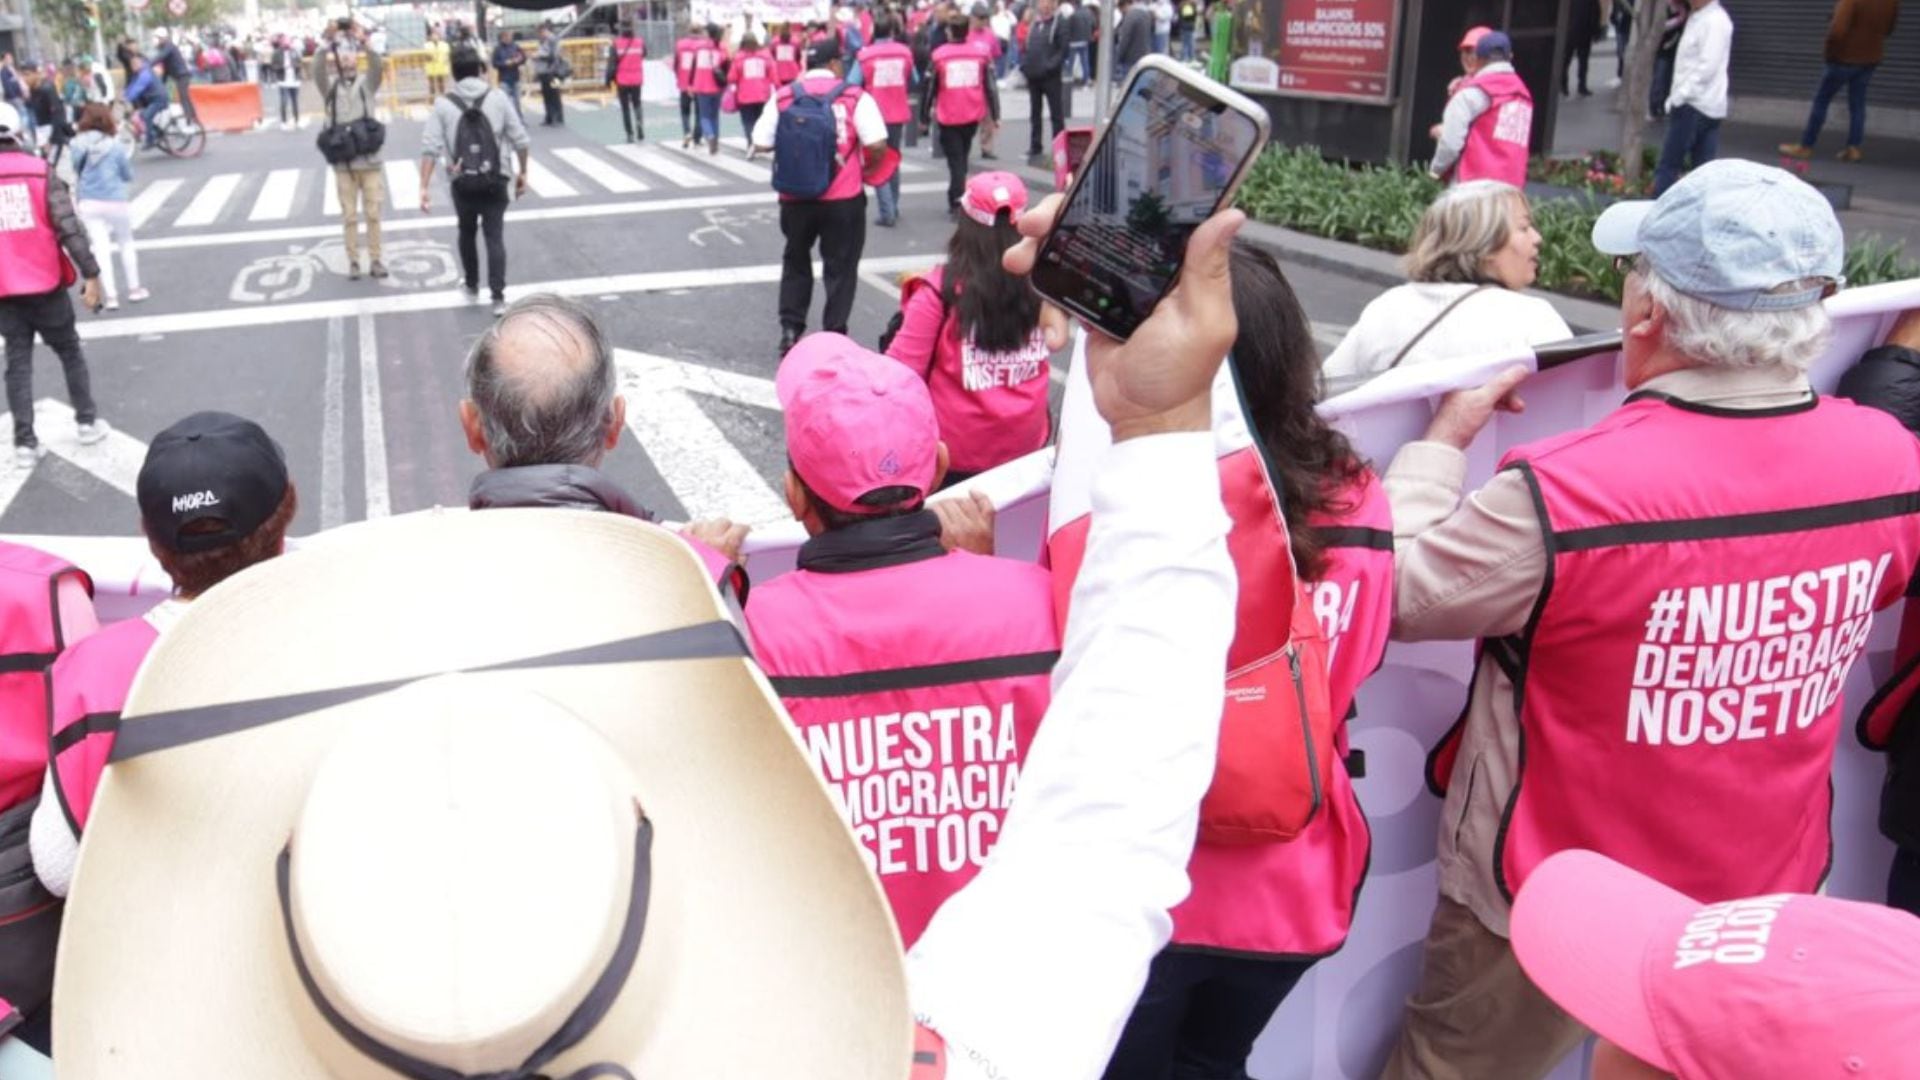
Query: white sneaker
{"points": [[112, 304], [138, 295], [26, 457], [94, 432]]}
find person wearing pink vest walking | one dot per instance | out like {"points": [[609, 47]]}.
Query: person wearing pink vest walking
{"points": [[886, 69], [751, 76], [707, 82], [1261, 915], [835, 220], [43, 251], [1488, 126], [787, 54], [215, 498], [972, 331], [960, 93], [683, 60], [1668, 602], [627, 74], [916, 675]]}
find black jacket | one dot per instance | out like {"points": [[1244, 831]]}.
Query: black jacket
{"points": [[1046, 48], [1132, 39], [1888, 379], [577, 487]]}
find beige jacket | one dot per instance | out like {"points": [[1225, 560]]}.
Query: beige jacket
{"points": [[1473, 569]]}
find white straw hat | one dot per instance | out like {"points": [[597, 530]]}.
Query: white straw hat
{"points": [[470, 794]]}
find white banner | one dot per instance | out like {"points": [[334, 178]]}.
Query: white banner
{"points": [[1341, 1020]]}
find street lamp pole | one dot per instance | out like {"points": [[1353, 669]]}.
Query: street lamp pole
{"points": [[1103, 67]]}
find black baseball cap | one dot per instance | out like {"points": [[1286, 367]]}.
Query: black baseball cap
{"points": [[212, 466]]}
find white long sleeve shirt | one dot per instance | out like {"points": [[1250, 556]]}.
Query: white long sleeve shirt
{"points": [[1700, 66], [1030, 972]]}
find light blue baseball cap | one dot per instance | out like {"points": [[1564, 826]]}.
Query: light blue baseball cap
{"points": [[1735, 234]]}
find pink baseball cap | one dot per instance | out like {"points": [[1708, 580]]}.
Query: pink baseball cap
{"points": [[990, 193], [857, 423], [1784, 985], [1472, 40]]}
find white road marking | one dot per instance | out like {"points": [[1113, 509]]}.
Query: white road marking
{"points": [[403, 183], [150, 200], [275, 201], [745, 170], [660, 164], [333, 480], [373, 422], [546, 213], [708, 474], [115, 460], [599, 171], [329, 193], [208, 202], [544, 183], [440, 300]]}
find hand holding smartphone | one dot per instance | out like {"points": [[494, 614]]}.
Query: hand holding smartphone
{"points": [[1175, 151]]}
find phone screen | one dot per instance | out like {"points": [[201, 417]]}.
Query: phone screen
{"points": [[1163, 167]]}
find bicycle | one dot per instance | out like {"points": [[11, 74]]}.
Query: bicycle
{"points": [[176, 136]]}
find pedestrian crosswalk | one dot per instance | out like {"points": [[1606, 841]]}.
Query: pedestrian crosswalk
{"points": [[286, 195]]}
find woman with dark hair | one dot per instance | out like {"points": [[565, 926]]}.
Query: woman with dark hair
{"points": [[751, 76], [972, 330], [1260, 915], [102, 173]]}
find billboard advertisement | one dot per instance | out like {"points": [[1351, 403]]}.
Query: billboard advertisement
{"points": [[1335, 49]]}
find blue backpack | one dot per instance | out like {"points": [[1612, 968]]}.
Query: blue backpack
{"points": [[806, 144]]}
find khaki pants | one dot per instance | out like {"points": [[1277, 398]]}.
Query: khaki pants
{"points": [[361, 190], [1476, 1015]]}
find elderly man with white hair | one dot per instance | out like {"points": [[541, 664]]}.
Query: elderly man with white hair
{"points": [[1667, 603]]}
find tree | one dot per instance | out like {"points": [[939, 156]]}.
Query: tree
{"points": [[1649, 21]]}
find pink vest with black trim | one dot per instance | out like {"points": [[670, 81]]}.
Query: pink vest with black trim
{"points": [[1713, 579], [752, 77], [786, 61], [1297, 899], [886, 68], [1497, 142], [992, 406], [916, 688], [631, 65], [31, 262], [705, 77], [962, 73], [30, 641], [847, 182], [90, 684]]}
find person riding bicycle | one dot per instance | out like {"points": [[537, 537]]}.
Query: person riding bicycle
{"points": [[148, 94]]}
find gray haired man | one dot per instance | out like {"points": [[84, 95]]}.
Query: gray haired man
{"points": [[543, 410], [1667, 601]]}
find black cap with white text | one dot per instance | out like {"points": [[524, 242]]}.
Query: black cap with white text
{"points": [[210, 467]]}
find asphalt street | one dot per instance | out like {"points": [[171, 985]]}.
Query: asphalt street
{"points": [[676, 253]]}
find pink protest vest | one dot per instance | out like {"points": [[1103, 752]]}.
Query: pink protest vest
{"points": [[631, 69], [986, 41], [90, 684], [30, 639], [1297, 899], [847, 182], [1497, 142], [961, 71], [786, 61], [1714, 576], [752, 77], [992, 406], [31, 262], [683, 51], [885, 66], [916, 689], [705, 78]]}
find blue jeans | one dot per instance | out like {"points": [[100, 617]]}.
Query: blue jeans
{"points": [[1662, 84], [1186, 43], [150, 116], [1160, 41], [708, 106], [888, 194], [1693, 139], [1077, 69], [1854, 77]]}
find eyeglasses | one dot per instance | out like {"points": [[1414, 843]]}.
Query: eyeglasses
{"points": [[1626, 264]]}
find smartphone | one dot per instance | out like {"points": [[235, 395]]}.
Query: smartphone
{"points": [[1174, 152]]}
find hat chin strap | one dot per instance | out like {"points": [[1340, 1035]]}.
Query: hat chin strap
{"points": [[584, 1018]]}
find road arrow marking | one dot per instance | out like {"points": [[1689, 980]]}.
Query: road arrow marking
{"points": [[707, 473], [115, 460]]}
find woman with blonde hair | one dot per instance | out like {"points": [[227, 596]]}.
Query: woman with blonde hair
{"points": [[1474, 254]]}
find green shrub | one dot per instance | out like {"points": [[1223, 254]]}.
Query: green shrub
{"points": [[1378, 206]]}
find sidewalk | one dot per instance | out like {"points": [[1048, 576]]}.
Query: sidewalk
{"points": [[1884, 196]]}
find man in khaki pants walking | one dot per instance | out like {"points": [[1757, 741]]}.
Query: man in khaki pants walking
{"points": [[347, 94]]}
